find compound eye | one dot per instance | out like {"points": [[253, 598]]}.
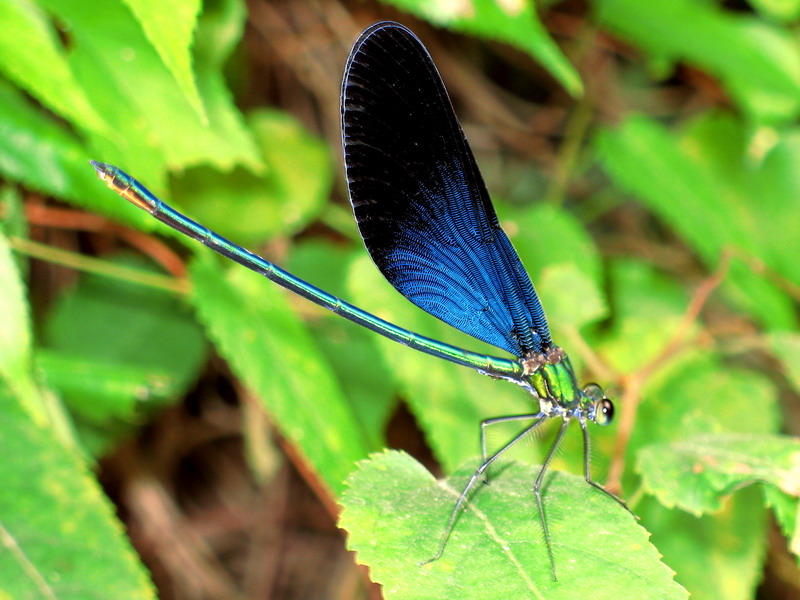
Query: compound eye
{"points": [[604, 412]]}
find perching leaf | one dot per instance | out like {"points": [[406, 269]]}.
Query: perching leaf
{"points": [[395, 513]]}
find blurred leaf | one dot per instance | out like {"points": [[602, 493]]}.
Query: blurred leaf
{"points": [[364, 376], [31, 56], [565, 242], [786, 346], [15, 336], [138, 95], [448, 400], [46, 158], [719, 556], [60, 536], [697, 473], [122, 332], [395, 513], [779, 10], [170, 32], [514, 23], [692, 195], [638, 293], [571, 297], [759, 64], [269, 349], [250, 208], [100, 391]]}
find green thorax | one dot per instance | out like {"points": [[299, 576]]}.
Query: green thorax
{"points": [[552, 378]]}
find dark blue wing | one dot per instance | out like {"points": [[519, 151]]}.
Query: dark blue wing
{"points": [[419, 199]]}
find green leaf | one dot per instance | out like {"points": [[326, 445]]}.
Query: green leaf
{"points": [[15, 335], [32, 57], [759, 64], [269, 349], [395, 513], [566, 240], [349, 348], [697, 473], [159, 333], [47, 158], [170, 32], [60, 538], [515, 23]]}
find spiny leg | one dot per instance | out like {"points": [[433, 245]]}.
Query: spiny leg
{"points": [[537, 490], [587, 471], [494, 421], [462, 498]]}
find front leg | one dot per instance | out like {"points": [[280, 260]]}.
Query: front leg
{"points": [[493, 421]]}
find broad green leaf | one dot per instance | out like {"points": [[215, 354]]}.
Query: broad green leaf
{"points": [[32, 56], [60, 537], [395, 513], [250, 208], [170, 32], [786, 509], [448, 400], [759, 64], [694, 395], [515, 23], [268, 348], [714, 556], [15, 335], [697, 473]]}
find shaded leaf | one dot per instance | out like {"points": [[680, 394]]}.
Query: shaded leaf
{"points": [[758, 63], [269, 349], [714, 556], [697, 473]]}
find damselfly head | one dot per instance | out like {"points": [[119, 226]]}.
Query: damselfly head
{"points": [[602, 409]]}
